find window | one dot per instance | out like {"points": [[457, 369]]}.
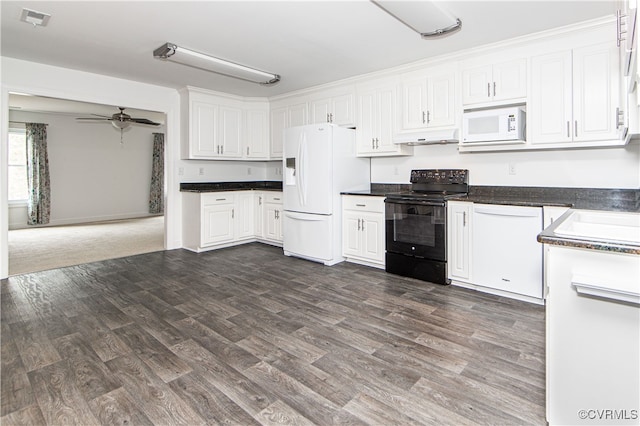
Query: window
{"points": [[18, 186]]}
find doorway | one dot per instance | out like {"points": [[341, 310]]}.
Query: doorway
{"points": [[100, 186]]}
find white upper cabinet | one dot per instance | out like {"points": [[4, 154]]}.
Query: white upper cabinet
{"points": [[497, 82], [427, 100], [375, 124], [257, 139], [283, 117], [574, 96], [230, 127], [337, 109], [223, 128], [203, 138]]}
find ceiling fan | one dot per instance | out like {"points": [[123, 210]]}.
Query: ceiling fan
{"points": [[121, 120]]}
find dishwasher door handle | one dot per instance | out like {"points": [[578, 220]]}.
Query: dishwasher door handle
{"points": [[507, 211]]}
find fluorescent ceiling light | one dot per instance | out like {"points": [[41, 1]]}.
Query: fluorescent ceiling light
{"points": [[181, 55], [425, 17]]}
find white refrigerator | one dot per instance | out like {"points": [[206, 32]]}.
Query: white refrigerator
{"points": [[319, 162]]}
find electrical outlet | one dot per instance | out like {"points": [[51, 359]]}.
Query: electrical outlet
{"points": [[249, 170], [201, 171], [180, 171], [395, 170], [512, 169]]}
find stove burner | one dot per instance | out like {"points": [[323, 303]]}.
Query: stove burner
{"points": [[435, 185]]}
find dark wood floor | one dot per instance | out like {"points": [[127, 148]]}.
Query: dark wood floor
{"points": [[248, 336]]}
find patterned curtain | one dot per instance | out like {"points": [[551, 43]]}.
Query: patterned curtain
{"points": [[39, 206], [156, 197]]}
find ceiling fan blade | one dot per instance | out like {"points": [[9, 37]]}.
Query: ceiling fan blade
{"points": [[93, 119], [102, 116], [144, 121]]}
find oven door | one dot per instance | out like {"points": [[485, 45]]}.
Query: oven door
{"points": [[416, 228]]}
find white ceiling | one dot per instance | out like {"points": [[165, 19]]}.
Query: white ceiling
{"points": [[306, 42]]}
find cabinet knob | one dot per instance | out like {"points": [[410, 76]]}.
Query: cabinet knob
{"points": [[358, 224], [494, 88], [488, 90]]}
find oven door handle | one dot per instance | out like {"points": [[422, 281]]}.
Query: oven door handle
{"points": [[415, 202]]}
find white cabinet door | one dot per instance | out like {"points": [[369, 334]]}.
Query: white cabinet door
{"points": [[257, 134], [375, 125], [320, 110], [373, 244], [337, 110], [385, 117], [549, 113], [218, 224], [279, 122], [595, 79], [476, 84], [458, 240], [203, 132], [342, 112], [441, 100], [230, 125], [495, 82], [273, 216], [272, 229], [428, 101], [510, 80], [363, 233], [367, 122], [244, 215], [351, 235], [573, 96], [297, 115], [414, 103], [258, 214]]}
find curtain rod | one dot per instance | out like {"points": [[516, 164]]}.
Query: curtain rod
{"points": [[25, 122]]}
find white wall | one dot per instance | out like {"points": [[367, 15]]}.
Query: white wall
{"points": [[577, 168], [220, 171], [93, 176]]}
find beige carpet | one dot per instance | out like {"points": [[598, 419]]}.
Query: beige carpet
{"points": [[39, 249]]}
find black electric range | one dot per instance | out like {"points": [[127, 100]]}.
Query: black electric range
{"points": [[415, 224]]}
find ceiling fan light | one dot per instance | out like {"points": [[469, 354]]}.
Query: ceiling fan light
{"points": [[184, 56], [120, 125]]}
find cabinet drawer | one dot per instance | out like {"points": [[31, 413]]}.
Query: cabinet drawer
{"points": [[273, 197], [363, 203], [213, 198]]}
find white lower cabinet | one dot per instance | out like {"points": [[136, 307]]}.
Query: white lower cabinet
{"points": [[272, 218], [459, 240], [363, 233], [221, 219], [217, 220]]}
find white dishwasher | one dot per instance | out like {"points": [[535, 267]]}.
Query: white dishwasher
{"points": [[506, 254]]}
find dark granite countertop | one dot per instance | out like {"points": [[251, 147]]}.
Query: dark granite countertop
{"points": [[266, 185], [581, 198], [549, 236]]}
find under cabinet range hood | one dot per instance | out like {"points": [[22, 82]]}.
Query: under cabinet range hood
{"points": [[427, 137]]}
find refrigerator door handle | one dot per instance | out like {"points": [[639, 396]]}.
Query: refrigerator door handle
{"points": [[305, 216], [302, 172]]}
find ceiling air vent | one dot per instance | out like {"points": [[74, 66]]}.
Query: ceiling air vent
{"points": [[35, 18]]}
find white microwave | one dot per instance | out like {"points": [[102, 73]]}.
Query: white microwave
{"points": [[494, 125]]}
